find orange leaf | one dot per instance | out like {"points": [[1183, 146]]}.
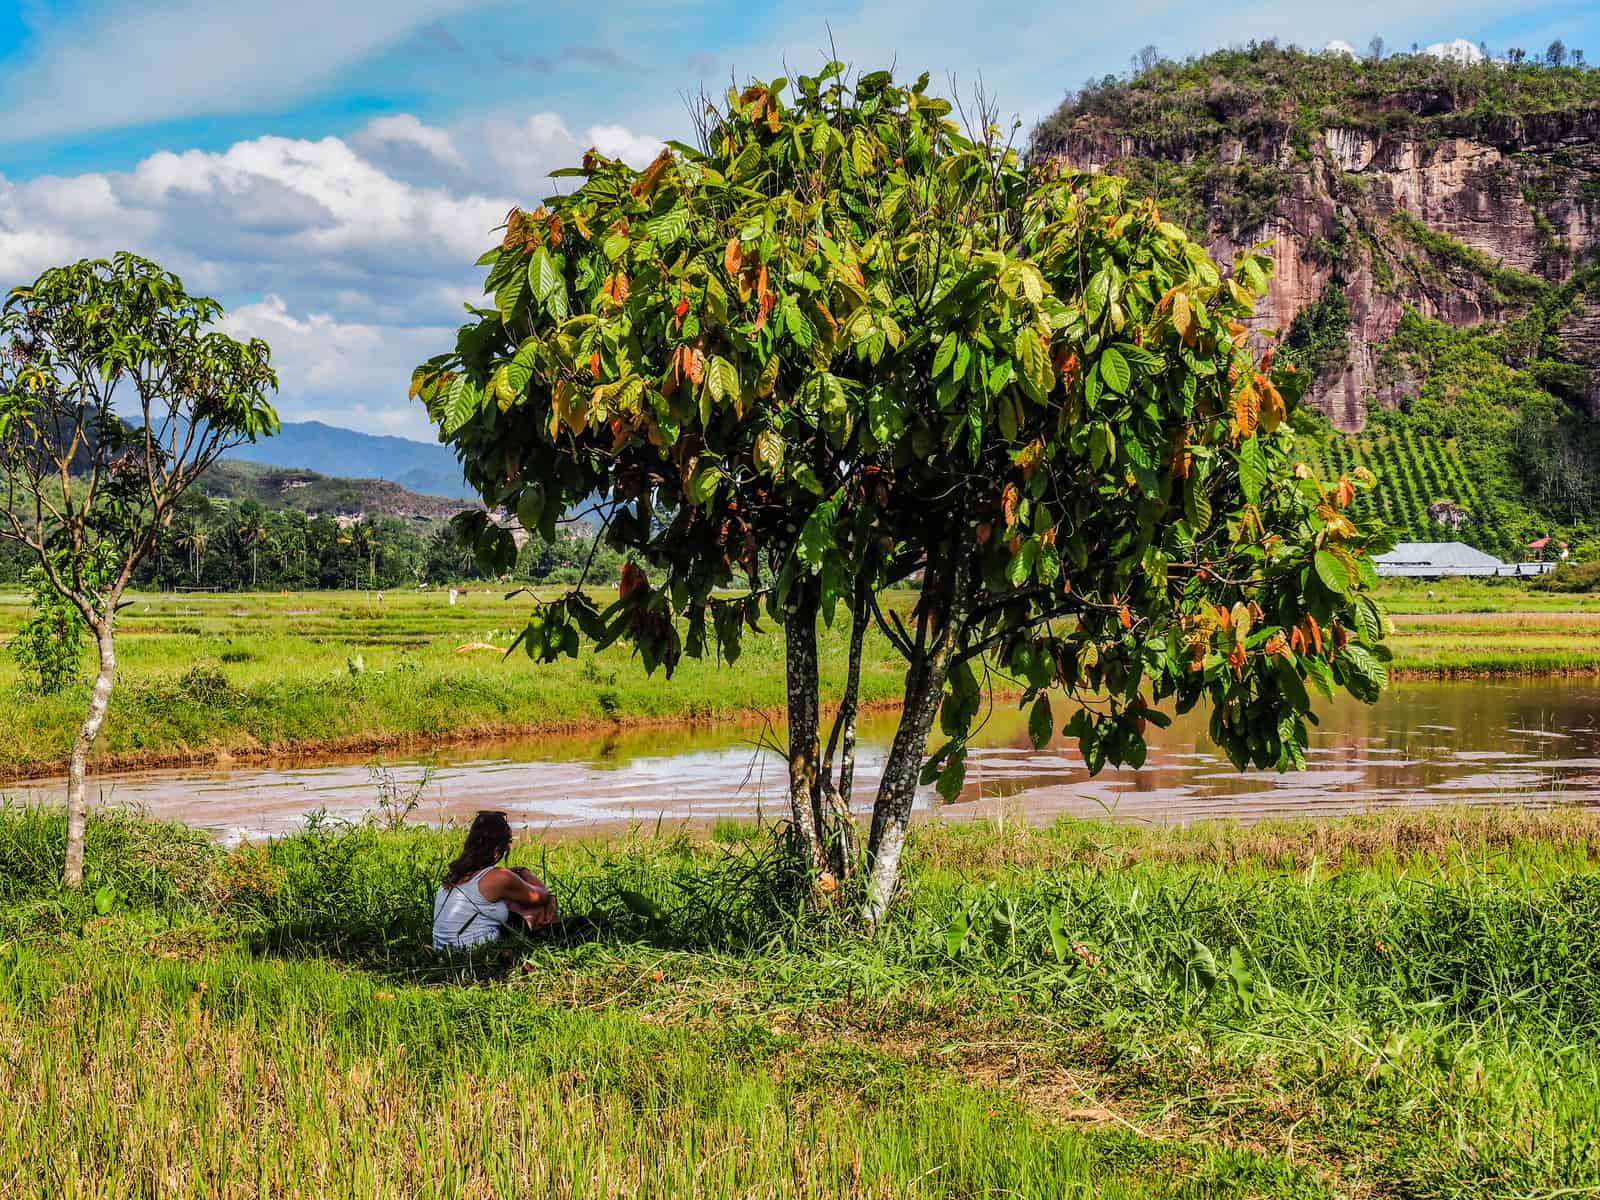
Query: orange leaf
{"points": [[647, 182], [633, 579], [1008, 504], [732, 256], [1246, 409], [1345, 492], [594, 364], [1125, 617]]}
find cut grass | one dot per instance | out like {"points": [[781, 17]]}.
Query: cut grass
{"points": [[1397, 1006]]}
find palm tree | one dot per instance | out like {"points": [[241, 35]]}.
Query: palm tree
{"points": [[252, 532], [195, 541]]}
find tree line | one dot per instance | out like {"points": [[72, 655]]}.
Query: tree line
{"points": [[245, 546]]}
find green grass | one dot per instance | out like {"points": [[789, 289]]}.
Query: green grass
{"points": [[242, 673], [233, 674], [1404, 1006]]}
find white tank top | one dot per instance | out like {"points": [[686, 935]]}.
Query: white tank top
{"points": [[462, 917]]}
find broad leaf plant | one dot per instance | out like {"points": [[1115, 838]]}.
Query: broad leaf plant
{"points": [[843, 346]]}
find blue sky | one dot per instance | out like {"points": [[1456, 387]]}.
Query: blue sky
{"points": [[330, 168]]}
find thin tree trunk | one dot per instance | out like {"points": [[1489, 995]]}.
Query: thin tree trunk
{"points": [[800, 672], [842, 845], [897, 790], [77, 803]]}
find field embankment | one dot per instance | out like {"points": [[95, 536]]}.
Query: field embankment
{"points": [[208, 677], [1404, 1006]]}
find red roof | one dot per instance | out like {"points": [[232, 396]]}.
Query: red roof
{"points": [[1540, 544]]}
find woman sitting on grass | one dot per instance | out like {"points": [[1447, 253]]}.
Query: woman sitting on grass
{"points": [[480, 900]]}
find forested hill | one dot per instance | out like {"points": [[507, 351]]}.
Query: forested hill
{"points": [[425, 467], [312, 493], [1436, 227]]}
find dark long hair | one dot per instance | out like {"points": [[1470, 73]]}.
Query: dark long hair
{"points": [[488, 841]]}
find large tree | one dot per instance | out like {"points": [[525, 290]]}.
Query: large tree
{"points": [[116, 393], [842, 345]]}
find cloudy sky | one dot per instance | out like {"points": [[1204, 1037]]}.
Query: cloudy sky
{"points": [[329, 169]]}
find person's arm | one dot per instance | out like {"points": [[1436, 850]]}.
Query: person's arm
{"points": [[515, 887]]}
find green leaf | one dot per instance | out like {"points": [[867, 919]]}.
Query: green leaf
{"points": [[1365, 676], [1320, 674], [956, 935], [669, 226], [1021, 565], [1034, 361], [1369, 622], [1332, 573], [1252, 469], [703, 483], [104, 898], [1060, 943], [1290, 685], [1114, 371], [944, 355], [952, 777], [1201, 963], [1196, 504], [543, 276], [769, 451], [1041, 723]]}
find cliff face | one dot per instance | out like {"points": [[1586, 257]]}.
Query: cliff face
{"points": [[1464, 227]]}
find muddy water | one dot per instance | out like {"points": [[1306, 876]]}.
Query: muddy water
{"points": [[1425, 744]]}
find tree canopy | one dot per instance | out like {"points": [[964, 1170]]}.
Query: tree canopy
{"points": [[844, 344], [116, 393]]}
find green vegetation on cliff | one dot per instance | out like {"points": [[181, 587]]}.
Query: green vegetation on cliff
{"points": [[1268, 91]]}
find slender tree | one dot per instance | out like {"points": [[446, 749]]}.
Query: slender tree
{"points": [[840, 344], [116, 393]]}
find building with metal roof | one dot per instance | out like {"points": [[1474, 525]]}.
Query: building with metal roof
{"points": [[1435, 560]]}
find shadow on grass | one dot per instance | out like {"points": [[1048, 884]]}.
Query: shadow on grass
{"points": [[356, 894], [366, 899]]}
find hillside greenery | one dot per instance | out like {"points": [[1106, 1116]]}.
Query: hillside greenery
{"points": [[1493, 424], [1493, 427], [1268, 90]]}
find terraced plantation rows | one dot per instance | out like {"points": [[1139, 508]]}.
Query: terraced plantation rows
{"points": [[1413, 472]]}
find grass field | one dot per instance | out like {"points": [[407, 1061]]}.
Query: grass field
{"points": [[1406, 1006], [209, 675]]}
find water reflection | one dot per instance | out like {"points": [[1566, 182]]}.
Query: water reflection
{"points": [[1531, 742]]}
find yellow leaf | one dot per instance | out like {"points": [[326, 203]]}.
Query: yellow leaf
{"points": [[769, 378], [1182, 317], [1273, 410]]}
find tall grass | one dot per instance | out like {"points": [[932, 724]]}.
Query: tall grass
{"points": [[1403, 1005]]}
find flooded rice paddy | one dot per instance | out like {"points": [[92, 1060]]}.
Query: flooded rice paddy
{"points": [[1526, 742]]}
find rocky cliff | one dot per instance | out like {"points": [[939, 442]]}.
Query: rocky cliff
{"points": [[1438, 195]]}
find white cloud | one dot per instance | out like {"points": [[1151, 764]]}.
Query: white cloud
{"points": [[352, 270], [527, 150], [404, 133], [614, 141], [158, 60], [347, 373], [1340, 46]]}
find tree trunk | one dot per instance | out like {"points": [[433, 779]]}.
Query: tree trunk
{"points": [[841, 845], [897, 790], [800, 672], [77, 804]]}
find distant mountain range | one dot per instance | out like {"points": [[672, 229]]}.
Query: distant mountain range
{"points": [[423, 467]]}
